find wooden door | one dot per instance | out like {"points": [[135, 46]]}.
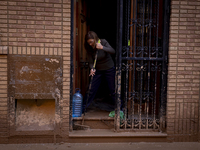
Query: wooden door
{"points": [[81, 65]]}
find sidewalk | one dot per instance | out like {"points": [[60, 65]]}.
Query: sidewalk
{"points": [[104, 146]]}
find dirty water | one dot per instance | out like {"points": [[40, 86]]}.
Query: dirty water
{"points": [[104, 146]]}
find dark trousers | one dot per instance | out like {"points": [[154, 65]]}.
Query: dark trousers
{"points": [[99, 74]]}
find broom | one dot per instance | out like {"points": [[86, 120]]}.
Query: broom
{"points": [[90, 85]]}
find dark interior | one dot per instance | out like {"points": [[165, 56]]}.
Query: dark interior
{"points": [[102, 19]]}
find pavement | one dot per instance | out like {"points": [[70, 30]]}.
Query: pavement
{"points": [[104, 146]]}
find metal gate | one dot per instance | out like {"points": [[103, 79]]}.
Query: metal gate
{"points": [[141, 67]]}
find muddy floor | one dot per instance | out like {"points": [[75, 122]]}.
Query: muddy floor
{"points": [[104, 146]]}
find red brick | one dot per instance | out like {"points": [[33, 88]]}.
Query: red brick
{"points": [[17, 44], [197, 44], [44, 40], [53, 27], [185, 56], [36, 44], [44, 5], [184, 72], [17, 26], [184, 31], [185, 48], [192, 28], [35, 35], [194, 11], [192, 60], [186, 40], [25, 22], [3, 3], [187, 23], [34, 9], [53, 1], [44, 22], [3, 7], [53, 10], [53, 18], [44, 13], [12, 12], [52, 45], [16, 17], [193, 36], [26, 30], [28, 13], [3, 12], [44, 31], [36, 1], [25, 4], [35, 17], [35, 26], [16, 8], [193, 3], [187, 7], [17, 35], [26, 39]]}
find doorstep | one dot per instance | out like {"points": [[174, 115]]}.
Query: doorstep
{"points": [[109, 135]]}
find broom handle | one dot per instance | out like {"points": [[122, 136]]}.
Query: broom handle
{"points": [[90, 86]]}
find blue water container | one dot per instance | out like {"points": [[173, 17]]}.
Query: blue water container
{"points": [[77, 104]]}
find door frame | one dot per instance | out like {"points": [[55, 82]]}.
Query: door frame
{"points": [[166, 21]]}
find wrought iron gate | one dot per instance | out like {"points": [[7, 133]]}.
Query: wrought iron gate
{"points": [[141, 68]]}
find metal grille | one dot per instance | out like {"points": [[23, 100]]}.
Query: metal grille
{"points": [[141, 66]]}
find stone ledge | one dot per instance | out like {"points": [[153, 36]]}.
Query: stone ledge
{"points": [[3, 50]]}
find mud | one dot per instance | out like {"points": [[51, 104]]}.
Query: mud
{"points": [[35, 115], [104, 146]]}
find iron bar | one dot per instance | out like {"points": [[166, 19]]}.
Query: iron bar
{"points": [[156, 65], [127, 71], [119, 50], [142, 58], [148, 83], [141, 73], [134, 72]]}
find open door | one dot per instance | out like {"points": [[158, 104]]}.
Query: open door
{"points": [[81, 69], [98, 16]]}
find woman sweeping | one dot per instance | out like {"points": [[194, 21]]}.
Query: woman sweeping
{"points": [[104, 66]]}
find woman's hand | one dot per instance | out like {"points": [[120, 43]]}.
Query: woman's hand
{"points": [[92, 72], [99, 46]]}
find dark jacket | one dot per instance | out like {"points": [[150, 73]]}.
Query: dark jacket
{"points": [[104, 59]]}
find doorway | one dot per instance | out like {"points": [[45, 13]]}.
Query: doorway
{"points": [[99, 16], [139, 32]]}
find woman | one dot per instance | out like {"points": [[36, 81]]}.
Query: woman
{"points": [[104, 65]]}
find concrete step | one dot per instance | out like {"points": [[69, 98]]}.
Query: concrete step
{"points": [[109, 135], [94, 123], [97, 119]]}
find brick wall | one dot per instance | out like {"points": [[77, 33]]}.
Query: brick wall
{"points": [[42, 27], [184, 71], [35, 27], [3, 99]]}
